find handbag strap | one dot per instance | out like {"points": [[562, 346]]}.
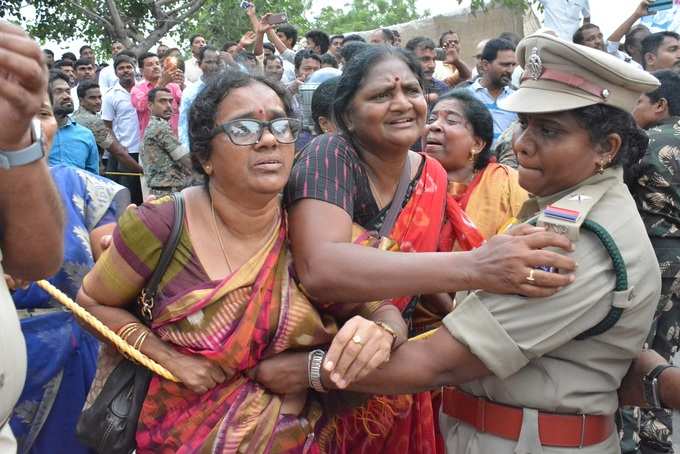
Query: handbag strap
{"points": [[149, 292], [398, 200]]}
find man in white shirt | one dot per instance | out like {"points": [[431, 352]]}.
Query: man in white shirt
{"points": [[121, 117], [192, 70], [107, 76], [564, 16]]}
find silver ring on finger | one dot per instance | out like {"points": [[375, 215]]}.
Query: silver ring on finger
{"points": [[530, 278]]}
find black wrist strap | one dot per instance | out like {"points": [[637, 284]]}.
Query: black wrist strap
{"points": [[654, 373], [651, 385]]}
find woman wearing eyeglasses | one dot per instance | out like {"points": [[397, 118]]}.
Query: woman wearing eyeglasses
{"points": [[227, 300]]}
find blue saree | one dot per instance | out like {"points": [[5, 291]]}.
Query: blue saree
{"points": [[62, 356]]}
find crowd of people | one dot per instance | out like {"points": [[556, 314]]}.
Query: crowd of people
{"points": [[380, 247]]}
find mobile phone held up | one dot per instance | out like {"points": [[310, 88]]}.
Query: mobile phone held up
{"points": [[245, 4], [659, 5], [276, 19]]}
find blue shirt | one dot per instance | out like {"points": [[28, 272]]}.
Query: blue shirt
{"points": [[188, 96], [439, 87], [74, 145], [502, 119]]}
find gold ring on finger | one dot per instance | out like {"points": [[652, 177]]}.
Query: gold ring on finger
{"points": [[531, 277], [357, 339]]}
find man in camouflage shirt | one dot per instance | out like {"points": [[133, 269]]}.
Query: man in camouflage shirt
{"points": [[656, 190], [88, 116], [166, 162]]}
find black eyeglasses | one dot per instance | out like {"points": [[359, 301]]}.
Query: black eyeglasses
{"points": [[247, 131]]}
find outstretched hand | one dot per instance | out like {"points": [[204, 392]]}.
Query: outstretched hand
{"points": [[263, 25], [642, 9], [248, 39], [504, 263]]}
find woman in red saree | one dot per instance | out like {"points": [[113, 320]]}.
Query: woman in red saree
{"points": [[342, 187]]}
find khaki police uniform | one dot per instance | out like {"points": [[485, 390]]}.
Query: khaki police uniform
{"points": [[530, 345]]}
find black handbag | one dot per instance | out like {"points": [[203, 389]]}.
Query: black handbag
{"points": [[109, 426]]}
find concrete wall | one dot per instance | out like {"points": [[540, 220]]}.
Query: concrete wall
{"points": [[471, 28]]}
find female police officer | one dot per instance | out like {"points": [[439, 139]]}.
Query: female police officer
{"points": [[540, 376]]}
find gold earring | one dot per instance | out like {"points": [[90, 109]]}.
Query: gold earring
{"points": [[208, 169], [473, 153], [600, 167]]}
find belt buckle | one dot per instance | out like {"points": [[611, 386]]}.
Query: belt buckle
{"points": [[481, 415], [583, 431]]}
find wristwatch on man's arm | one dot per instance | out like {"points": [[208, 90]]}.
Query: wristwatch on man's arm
{"points": [[651, 386], [31, 153]]}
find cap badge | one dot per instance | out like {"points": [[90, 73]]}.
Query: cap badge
{"points": [[534, 67]]}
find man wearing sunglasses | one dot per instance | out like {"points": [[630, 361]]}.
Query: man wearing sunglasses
{"points": [[166, 162]]}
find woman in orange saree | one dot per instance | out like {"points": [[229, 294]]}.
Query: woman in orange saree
{"points": [[459, 137]]}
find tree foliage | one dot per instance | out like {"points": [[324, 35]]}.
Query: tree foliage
{"points": [[366, 15], [139, 24], [220, 21]]}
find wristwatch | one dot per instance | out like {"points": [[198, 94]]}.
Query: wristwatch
{"points": [[31, 153], [650, 385], [314, 361]]}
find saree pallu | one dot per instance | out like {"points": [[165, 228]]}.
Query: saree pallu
{"points": [[252, 314], [403, 424]]}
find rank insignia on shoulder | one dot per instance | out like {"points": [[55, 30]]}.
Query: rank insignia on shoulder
{"points": [[562, 214], [579, 198]]}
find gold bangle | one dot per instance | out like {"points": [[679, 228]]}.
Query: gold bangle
{"points": [[123, 329], [130, 330], [389, 330], [125, 334], [140, 340]]}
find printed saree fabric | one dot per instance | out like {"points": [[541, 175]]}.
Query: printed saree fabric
{"points": [[62, 355], [491, 199], [252, 314], [403, 424]]}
